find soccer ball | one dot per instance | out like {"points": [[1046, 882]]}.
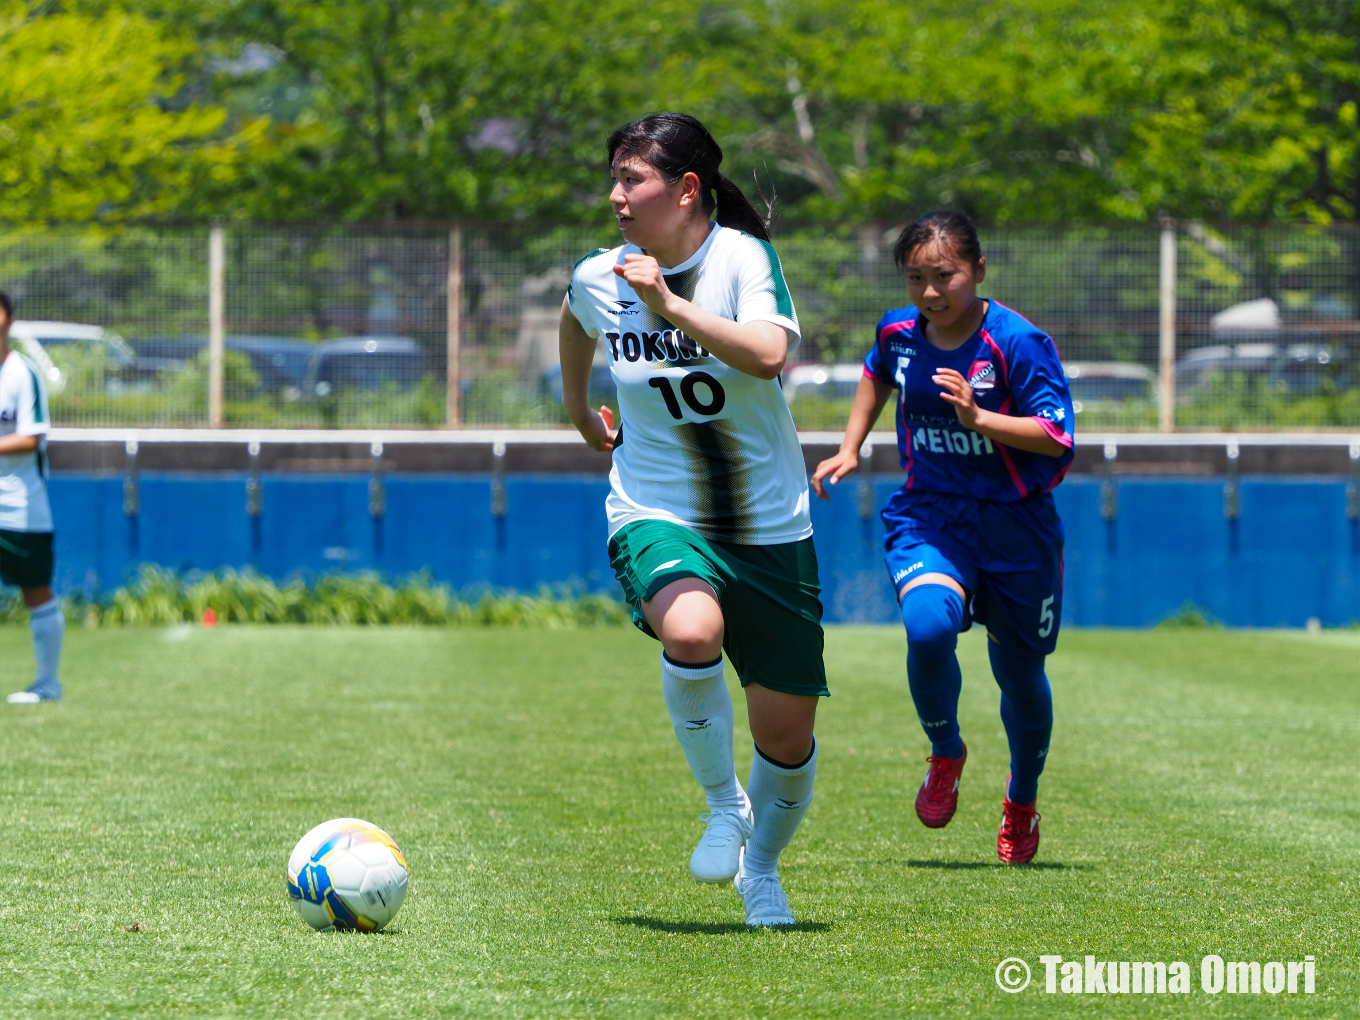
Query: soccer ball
{"points": [[347, 875]]}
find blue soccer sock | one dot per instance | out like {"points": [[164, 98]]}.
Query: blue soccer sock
{"points": [[1026, 712], [933, 615]]}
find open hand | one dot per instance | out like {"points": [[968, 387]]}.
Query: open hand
{"points": [[955, 390], [837, 467], [643, 274]]}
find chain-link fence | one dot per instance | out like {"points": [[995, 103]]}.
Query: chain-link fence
{"points": [[350, 326]]}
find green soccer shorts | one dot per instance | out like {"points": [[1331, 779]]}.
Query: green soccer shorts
{"points": [[769, 595], [26, 558]]}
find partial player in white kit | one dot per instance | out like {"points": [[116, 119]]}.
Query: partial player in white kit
{"points": [[710, 534], [25, 514]]}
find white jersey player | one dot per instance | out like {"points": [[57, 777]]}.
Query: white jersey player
{"points": [[25, 514], [710, 447], [708, 507]]}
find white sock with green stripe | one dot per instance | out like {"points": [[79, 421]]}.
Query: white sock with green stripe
{"points": [[701, 713]]}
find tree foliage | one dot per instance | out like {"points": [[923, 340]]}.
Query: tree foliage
{"points": [[88, 124], [854, 112]]}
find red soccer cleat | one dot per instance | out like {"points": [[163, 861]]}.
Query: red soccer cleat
{"points": [[1018, 838], [938, 797]]}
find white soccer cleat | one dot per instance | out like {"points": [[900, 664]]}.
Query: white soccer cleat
{"points": [[718, 855], [766, 904], [24, 698]]}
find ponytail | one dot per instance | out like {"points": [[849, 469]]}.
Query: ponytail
{"points": [[736, 211], [675, 144]]}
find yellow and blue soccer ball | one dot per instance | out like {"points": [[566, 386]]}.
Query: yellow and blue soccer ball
{"points": [[347, 875]]}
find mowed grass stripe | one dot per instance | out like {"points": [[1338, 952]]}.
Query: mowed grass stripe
{"points": [[1200, 798]]}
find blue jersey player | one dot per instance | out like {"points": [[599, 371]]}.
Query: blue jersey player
{"points": [[984, 428]]}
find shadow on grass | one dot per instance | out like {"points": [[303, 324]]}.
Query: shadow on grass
{"points": [[977, 865], [701, 928]]}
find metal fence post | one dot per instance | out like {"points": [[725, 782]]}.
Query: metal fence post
{"points": [[498, 501], [455, 326], [377, 494], [866, 480], [217, 314], [1109, 491], [132, 492], [1353, 486], [1167, 337], [254, 488], [1232, 489]]}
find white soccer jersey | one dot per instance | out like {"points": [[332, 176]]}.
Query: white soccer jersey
{"points": [[703, 444], [23, 476]]}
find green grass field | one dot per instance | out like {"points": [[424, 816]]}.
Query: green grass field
{"points": [[1201, 798]]}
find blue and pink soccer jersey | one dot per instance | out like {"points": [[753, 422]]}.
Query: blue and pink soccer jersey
{"points": [[1013, 368], [970, 508]]}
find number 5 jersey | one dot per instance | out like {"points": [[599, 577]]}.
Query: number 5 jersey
{"points": [[702, 444], [1013, 369]]}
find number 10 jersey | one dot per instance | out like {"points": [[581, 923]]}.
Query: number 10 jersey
{"points": [[702, 444]]}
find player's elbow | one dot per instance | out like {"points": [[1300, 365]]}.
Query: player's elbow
{"points": [[767, 349], [768, 363], [1053, 448]]}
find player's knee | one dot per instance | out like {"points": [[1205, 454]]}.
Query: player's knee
{"points": [[692, 640], [933, 615]]}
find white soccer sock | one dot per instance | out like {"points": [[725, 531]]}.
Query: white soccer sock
{"points": [[48, 625], [701, 712], [780, 798]]}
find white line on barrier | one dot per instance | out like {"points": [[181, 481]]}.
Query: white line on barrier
{"points": [[568, 437]]}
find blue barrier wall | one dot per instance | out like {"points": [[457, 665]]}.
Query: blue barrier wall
{"points": [[1292, 553]]}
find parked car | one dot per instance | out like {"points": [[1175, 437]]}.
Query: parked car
{"points": [[1106, 384], [365, 363], [822, 382], [1300, 368], [280, 362], [46, 342]]}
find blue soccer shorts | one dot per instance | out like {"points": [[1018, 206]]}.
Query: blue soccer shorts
{"points": [[1008, 557]]}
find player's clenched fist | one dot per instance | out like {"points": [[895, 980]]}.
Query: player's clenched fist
{"points": [[643, 274]]}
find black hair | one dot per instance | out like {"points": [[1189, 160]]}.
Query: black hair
{"points": [[675, 144], [946, 227], [7, 305]]}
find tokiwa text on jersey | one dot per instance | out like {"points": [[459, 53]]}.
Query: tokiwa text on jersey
{"points": [[666, 345], [672, 347]]}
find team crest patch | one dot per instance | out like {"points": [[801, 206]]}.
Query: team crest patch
{"points": [[982, 376]]}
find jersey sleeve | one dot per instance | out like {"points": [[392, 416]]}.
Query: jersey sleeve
{"points": [[1039, 386], [876, 362], [30, 411], [578, 294], [762, 293]]}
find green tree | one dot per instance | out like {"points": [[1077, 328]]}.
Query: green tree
{"points": [[88, 125], [1019, 110], [421, 108]]}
